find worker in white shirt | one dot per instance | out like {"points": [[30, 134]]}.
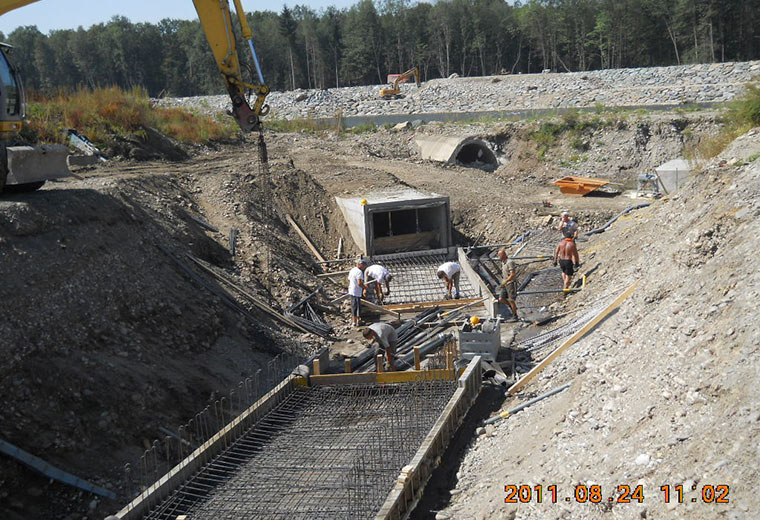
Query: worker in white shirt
{"points": [[449, 272], [356, 288], [381, 276]]}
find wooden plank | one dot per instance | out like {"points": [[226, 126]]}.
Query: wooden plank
{"points": [[343, 379], [570, 341], [336, 273], [250, 297], [416, 375], [444, 304], [383, 377], [306, 240], [380, 308]]}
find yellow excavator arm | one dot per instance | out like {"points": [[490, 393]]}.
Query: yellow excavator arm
{"points": [[395, 91], [217, 24]]}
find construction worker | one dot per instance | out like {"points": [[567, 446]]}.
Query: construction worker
{"points": [[508, 285], [567, 254], [356, 288], [568, 226], [384, 340], [449, 272], [380, 275]]}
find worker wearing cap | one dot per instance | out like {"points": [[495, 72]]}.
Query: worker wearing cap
{"points": [[356, 289], [381, 276], [384, 340], [568, 226], [508, 285], [449, 272]]}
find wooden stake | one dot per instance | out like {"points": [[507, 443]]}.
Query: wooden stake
{"points": [[574, 338], [348, 365], [417, 359], [379, 363], [305, 238], [316, 367]]}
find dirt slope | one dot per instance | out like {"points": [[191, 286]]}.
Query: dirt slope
{"points": [[105, 339], [663, 392]]}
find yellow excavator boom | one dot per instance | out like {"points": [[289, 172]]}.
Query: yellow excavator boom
{"points": [[217, 24]]}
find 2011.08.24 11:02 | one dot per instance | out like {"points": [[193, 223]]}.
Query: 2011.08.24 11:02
{"points": [[623, 494]]}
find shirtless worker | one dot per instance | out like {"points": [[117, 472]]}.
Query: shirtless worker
{"points": [[508, 286], [567, 254], [384, 340], [380, 275]]}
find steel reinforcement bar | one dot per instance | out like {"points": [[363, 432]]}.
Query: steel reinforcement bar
{"points": [[412, 480]]}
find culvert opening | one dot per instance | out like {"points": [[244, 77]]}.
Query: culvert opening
{"points": [[477, 155]]}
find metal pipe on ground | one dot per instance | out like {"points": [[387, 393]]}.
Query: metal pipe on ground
{"points": [[512, 411]]}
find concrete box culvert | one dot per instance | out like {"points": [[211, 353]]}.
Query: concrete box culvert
{"points": [[467, 151]]}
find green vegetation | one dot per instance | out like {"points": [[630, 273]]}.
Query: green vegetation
{"points": [[302, 47], [741, 115], [578, 127], [104, 112]]}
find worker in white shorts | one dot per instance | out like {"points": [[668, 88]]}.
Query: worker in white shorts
{"points": [[356, 288], [381, 276], [449, 272]]}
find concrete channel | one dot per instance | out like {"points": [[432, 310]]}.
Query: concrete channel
{"points": [[330, 446]]}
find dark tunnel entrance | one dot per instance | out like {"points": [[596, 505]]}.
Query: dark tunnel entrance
{"points": [[476, 154]]}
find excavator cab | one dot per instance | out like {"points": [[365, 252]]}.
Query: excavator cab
{"points": [[25, 167]]}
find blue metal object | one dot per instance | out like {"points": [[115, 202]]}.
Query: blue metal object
{"points": [[51, 471], [256, 62]]}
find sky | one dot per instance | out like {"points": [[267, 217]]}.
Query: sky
{"points": [[49, 15]]}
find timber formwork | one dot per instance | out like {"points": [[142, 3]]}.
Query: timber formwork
{"points": [[332, 450]]}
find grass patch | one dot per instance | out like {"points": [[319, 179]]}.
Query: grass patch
{"points": [[104, 112], [740, 116]]}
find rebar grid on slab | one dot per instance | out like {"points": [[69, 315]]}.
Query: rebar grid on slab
{"points": [[325, 452], [415, 281]]}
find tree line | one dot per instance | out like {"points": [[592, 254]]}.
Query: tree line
{"points": [[303, 48]]}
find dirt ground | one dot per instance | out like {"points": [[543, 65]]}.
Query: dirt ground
{"points": [[662, 394], [106, 339]]}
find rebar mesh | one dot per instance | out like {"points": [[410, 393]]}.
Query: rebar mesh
{"points": [[325, 452], [542, 344], [415, 280]]}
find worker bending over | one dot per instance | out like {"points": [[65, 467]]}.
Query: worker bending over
{"points": [[567, 253], [384, 340], [356, 288], [568, 226], [449, 272], [380, 275], [508, 285]]}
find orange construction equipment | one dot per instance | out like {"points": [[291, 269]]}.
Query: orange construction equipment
{"points": [[579, 186]]}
